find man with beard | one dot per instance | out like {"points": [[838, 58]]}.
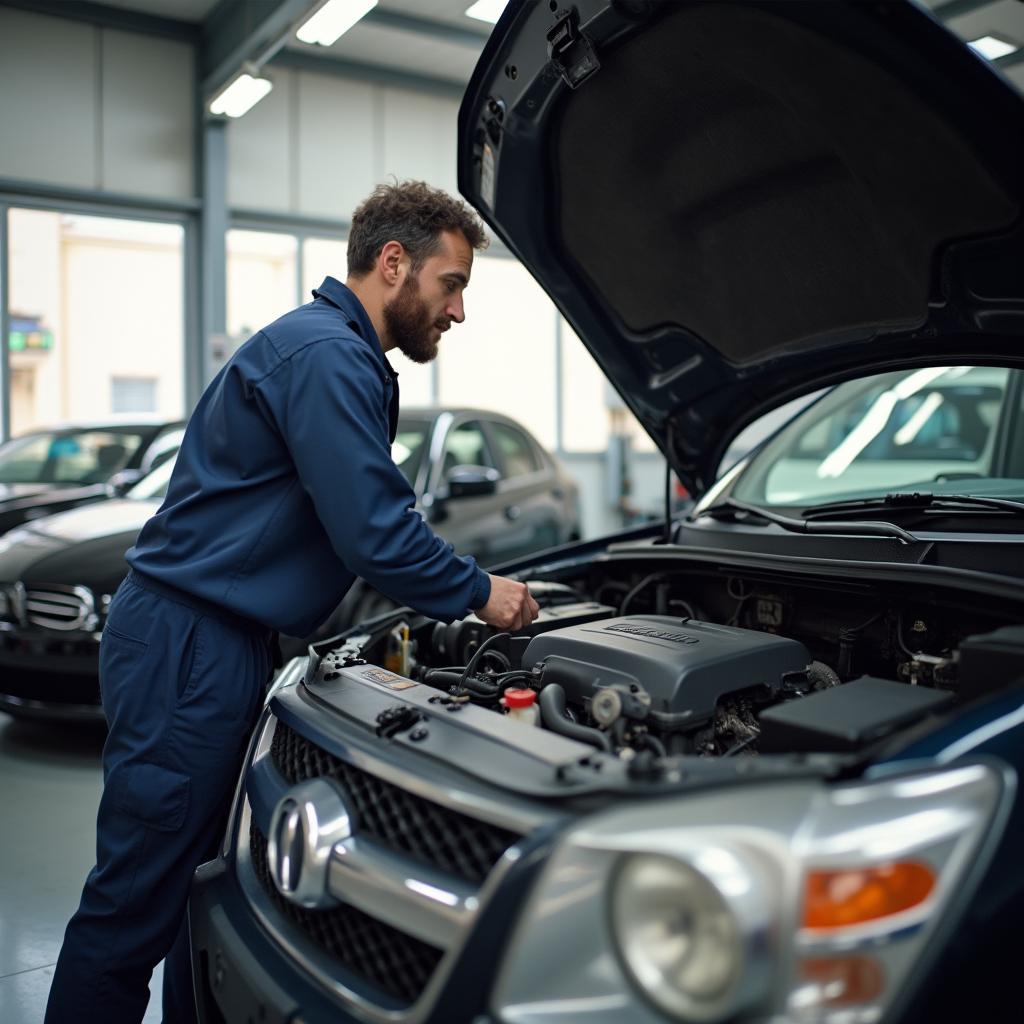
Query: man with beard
{"points": [[283, 493]]}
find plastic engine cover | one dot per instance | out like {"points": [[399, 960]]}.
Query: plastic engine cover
{"points": [[686, 666]]}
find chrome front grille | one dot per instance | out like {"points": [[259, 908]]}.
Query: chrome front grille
{"points": [[400, 820], [391, 960], [60, 607], [407, 886]]}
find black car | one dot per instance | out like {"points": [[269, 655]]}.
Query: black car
{"points": [[761, 763], [50, 470], [481, 479]]}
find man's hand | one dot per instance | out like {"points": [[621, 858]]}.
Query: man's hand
{"points": [[510, 605]]}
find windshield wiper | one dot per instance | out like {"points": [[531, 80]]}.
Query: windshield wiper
{"points": [[915, 501], [730, 506]]}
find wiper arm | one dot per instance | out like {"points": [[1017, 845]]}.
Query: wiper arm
{"points": [[732, 505], [914, 501]]}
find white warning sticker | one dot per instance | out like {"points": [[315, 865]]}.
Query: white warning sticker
{"points": [[487, 176]]}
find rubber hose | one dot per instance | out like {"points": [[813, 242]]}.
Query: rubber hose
{"points": [[441, 677], [821, 676], [552, 712]]}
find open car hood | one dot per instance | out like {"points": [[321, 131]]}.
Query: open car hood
{"points": [[734, 203]]}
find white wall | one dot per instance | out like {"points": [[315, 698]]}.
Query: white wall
{"points": [[318, 144], [92, 108], [503, 356], [112, 332]]}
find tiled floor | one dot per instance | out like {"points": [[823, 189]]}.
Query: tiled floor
{"points": [[50, 786]]}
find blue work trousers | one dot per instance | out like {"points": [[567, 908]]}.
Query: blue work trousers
{"points": [[181, 690]]}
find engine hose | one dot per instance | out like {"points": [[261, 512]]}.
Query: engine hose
{"points": [[552, 712], [821, 676], [479, 687], [653, 743], [442, 677]]}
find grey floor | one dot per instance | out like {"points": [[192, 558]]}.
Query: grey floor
{"points": [[50, 785]]}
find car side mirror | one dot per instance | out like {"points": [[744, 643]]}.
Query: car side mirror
{"points": [[471, 482], [123, 481]]}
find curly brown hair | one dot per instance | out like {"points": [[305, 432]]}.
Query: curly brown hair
{"points": [[410, 212]]}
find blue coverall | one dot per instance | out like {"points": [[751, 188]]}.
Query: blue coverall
{"points": [[283, 492]]}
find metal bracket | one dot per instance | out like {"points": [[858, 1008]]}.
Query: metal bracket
{"points": [[571, 52]]}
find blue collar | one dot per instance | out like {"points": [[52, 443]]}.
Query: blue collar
{"points": [[341, 296]]}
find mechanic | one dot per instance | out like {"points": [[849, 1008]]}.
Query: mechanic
{"points": [[284, 491]]}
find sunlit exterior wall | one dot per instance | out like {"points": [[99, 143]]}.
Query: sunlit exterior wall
{"points": [[503, 356], [111, 291]]}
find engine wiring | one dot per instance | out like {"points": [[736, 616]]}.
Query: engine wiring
{"points": [[646, 582], [605, 684]]}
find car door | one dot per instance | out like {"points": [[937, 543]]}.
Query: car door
{"points": [[472, 524], [529, 507]]}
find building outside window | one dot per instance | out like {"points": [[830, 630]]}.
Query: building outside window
{"points": [[93, 300], [133, 394]]}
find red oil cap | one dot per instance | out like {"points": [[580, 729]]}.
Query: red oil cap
{"points": [[516, 698]]}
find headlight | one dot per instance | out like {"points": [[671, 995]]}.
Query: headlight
{"points": [[677, 936], [799, 901]]}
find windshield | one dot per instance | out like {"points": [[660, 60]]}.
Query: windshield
{"points": [[941, 428], [155, 484], [409, 447], [67, 456]]}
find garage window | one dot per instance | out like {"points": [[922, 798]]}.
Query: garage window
{"points": [[133, 394]]}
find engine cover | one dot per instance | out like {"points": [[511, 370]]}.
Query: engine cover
{"points": [[685, 666]]}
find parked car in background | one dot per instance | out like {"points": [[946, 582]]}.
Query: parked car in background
{"points": [[481, 479], [762, 763], [48, 471], [485, 484], [57, 577]]}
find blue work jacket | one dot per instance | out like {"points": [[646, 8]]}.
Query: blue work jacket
{"points": [[284, 490]]}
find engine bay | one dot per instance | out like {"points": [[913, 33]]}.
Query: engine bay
{"points": [[671, 660]]}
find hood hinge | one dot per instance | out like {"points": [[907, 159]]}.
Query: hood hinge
{"points": [[571, 52]]}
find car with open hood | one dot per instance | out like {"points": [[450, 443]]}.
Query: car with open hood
{"points": [[761, 763]]}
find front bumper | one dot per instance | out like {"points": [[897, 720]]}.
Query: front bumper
{"points": [[49, 675], [257, 957], [240, 973]]}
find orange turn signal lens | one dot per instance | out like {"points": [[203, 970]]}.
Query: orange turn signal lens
{"points": [[844, 980], [838, 899]]}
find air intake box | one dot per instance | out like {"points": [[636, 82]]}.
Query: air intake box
{"points": [[685, 665]]}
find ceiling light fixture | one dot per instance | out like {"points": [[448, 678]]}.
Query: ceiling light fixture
{"points": [[241, 94], [487, 10], [992, 47], [332, 20]]}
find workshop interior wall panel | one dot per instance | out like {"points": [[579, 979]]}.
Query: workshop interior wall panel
{"points": [[147, 91], [317, 144], [262, 152], [91, 108], [49, 103], [338, 156], [420, 137]]}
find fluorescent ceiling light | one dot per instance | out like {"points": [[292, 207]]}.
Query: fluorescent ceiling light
{"points": [[240, 95], [992, 47], [487, 10], [333, 20]]}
